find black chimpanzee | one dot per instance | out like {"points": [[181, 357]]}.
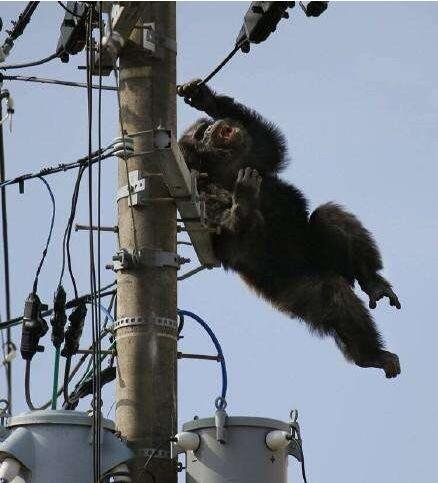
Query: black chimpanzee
{"points": [[306, 266]]}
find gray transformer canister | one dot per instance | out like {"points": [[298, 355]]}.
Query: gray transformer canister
{"points": [[243, 458], [56, 446]]}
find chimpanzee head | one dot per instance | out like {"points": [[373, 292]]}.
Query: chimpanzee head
{"points": [[222, 147]]}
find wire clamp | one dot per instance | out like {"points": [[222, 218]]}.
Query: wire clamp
{"points": [[123, 146], [154, 43], [155, 453], [135, 191], [126, 259], [139, 320]]}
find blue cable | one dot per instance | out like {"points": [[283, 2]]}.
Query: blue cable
{"points": [[105, 311], [49, 237], [216, 343]]}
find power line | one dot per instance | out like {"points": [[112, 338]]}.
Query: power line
{"points": [[34, 63], [81, 162], [41, 80], [69, 305], [4, 214]]}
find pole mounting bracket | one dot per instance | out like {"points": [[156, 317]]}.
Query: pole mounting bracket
{"points": [[155, 453], [139, 320], [137, 186], [126, 259]]}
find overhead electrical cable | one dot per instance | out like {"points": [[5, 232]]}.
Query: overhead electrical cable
{"points": [[96, 403], [7, 282], [61, 82], [69, 304], [62, 167], [33, 63]]}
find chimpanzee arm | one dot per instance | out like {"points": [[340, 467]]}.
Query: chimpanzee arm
{"points": [[244, 214], [204, 99], [267, 140]]}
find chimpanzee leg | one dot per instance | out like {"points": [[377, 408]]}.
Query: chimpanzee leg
{"points": [[339, 237], [330, 307]]}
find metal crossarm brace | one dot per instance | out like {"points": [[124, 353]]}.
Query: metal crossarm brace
{"points": [[182, 186]]}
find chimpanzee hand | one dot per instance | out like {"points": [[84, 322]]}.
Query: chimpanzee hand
{"points": [[247, 187], [197, 95]]}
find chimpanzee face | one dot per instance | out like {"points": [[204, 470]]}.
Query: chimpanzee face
{"points": [[222, 135]]}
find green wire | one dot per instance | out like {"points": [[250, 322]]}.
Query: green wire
{"points": [[89, 371], [55, 378]]}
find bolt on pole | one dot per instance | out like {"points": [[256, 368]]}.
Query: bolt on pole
{"points": [[146, 389]]}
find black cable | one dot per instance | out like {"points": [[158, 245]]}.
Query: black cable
{"points": [[70, 304], [68, 10], [99, 376], [33, 63], [49, 237], [303, 466], [66, 379], [27, 389], [85, 388], [223, 63], [94, 315], [4, 214], [23, 20], [40, 80], [62, 167], [67, 233]]}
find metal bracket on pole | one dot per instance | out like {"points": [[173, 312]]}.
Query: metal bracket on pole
{"points": [[152, 42], [155, 320], [137, 184], [160, 453], [123, 17], [182, 185], [126, 259]]}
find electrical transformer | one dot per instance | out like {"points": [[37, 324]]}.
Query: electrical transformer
{"points": [[56, 446], [227, 449]]}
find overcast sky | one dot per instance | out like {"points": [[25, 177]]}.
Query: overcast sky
{"points": [[356, 95]]}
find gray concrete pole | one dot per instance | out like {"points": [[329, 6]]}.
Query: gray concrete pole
{"points": [[146, 407]]}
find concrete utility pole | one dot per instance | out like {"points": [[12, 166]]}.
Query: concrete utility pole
{"points": [[146, 335]]}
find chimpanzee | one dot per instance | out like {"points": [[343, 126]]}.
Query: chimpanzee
{"points": [[306, 266]]}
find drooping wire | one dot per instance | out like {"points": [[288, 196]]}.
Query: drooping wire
{"points": [[61, 167], [27, 391], [34, 63], [218, 347], [66, 253], [49, 237]]}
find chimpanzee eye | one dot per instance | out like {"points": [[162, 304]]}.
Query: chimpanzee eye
{"points": [[199, 133]]}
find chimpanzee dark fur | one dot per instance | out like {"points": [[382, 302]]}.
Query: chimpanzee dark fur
{"points": [[305, 266]]}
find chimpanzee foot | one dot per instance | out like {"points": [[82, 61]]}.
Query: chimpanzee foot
{"points": [[385, 360], [376, 288]]}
